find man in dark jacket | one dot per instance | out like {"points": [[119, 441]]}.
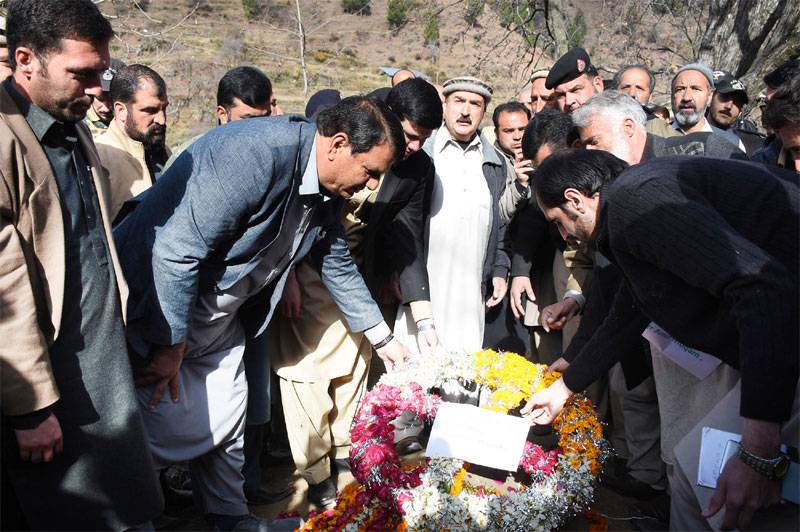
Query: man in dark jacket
{"points": [[612, 121], [709, 251]]}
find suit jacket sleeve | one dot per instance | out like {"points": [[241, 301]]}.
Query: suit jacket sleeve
{"points": [[220, 196], [502, 257], [408, 236], [345, 283], [630, 348], [26, 375], [623, 323], [511, 198]]}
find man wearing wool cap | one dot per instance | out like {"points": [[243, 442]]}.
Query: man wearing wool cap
{"points": [[541, 96], [465, 219], [692, 88]]}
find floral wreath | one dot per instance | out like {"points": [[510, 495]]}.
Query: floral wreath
{"points": [[435, 495]]}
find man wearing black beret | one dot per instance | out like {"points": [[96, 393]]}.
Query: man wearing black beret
{"points": [[573, 80]]}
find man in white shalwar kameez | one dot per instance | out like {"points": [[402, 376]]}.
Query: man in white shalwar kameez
{"points": [[467, 263]]}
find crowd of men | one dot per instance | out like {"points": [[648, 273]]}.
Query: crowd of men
{"points": [[150, 297]]}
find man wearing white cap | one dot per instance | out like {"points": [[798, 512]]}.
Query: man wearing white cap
{"points": [[466, 260], [541, 96]]}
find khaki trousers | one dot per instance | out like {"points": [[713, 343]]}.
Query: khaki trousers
{"points": [[319, 415]]}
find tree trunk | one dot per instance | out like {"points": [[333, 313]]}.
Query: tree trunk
{"points": [[751, 37]]}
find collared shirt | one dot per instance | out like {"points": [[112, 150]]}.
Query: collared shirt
{"points": [[59, 140], [309, 184]]}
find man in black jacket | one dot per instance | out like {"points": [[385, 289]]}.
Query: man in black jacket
{"points": [[709, 252], [615, 122]]}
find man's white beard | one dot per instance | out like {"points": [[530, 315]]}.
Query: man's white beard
{"points": [[687, 119]]}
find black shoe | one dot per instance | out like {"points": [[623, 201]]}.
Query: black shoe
{"points": [[651, 515], [322, 494], [341, 465], [617, 478], [262, 496], [176, 496]]}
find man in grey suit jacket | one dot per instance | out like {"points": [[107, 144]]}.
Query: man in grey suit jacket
{"points": [[207, 253]]}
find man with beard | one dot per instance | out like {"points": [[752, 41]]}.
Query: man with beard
{"points": [[541, 96], [101, 113], [615, 122], [726, 111], [133, 150], [73, 443], [692, 88]]}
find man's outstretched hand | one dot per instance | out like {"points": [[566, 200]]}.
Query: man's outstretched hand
{"points": [[543, 407]]}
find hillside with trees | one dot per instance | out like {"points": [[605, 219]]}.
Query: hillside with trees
{"points": [[304, 45]]}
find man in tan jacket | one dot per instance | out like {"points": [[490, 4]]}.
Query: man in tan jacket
{"points": [[133, 150], [67, 396]]}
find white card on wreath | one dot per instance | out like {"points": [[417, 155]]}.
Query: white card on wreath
{"points": [[478, 436], [696, 362]]}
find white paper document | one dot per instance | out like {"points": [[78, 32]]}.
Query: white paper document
{"points": [[718, 446], [478, 436], [695, 362]]}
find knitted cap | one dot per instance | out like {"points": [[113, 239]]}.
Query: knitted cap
{"points": [[539, 74], [698, 67], [468, 84]]}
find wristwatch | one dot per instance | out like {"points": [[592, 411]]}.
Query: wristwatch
{"points": [[772, 468]]}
